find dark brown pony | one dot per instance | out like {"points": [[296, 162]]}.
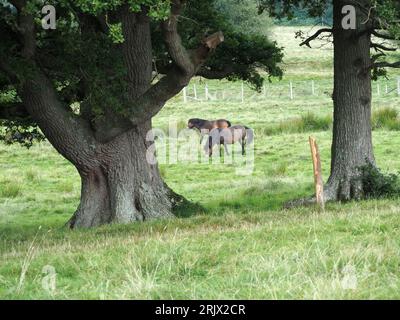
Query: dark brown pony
{"points": [[231, 135], [206, 126]]}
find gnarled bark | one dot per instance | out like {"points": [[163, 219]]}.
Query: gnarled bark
{"points": [[125, 187]]}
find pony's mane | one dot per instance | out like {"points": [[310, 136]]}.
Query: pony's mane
{"points": [[198, 121]]}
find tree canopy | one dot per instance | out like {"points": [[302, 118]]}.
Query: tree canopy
{"points": [[243, 15]]}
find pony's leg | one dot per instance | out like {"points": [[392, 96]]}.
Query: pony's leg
{"points": [[210, 147], [243, 146], [226, 149], [201, 139]]}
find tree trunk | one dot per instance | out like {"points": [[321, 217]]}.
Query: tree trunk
{"points": [[125, 187], [352, 138]]}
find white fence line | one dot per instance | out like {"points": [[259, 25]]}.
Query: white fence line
{"points": [[294, 90]]}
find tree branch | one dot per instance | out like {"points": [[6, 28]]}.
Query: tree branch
{"points": [[173, 41], [68, 133], [185, 65], [377, 56], [150, 103], [382, 36], [26, 27], [380, 47], [385, 64], [315, 36]]}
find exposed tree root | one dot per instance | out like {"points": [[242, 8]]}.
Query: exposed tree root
{"points": [[342, 191]]}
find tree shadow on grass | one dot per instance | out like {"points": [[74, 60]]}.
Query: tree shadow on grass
{"points": [[252, 199]]}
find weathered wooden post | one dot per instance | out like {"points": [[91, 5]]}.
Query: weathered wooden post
{"points": [[319, 183]]}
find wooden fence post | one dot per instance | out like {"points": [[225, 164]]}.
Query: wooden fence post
{"points": [[319, 184], [398, 86], [184, 95], [195, 91]]}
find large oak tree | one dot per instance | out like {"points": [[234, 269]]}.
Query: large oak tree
{"points": [[91, 88], [357, 59]]}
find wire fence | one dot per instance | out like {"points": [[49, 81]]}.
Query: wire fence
{"points": [[202, 92]]}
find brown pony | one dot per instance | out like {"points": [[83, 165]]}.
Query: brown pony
{"points": [[206, 126], [231, 135]]}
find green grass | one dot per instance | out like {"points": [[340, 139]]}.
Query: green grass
{"points": [[10, 189], [386, 118], [242, 244], [305, 123]]}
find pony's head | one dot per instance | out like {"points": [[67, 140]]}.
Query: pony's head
{"points": [[194, 123]]}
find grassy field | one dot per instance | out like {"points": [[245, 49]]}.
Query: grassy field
{"points": [[243, 244]]}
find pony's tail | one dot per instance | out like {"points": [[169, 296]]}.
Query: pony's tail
{"points": [[249, 135], [229, 124]]}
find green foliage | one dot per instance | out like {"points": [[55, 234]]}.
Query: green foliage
{"points": [[115, 33], [388, 12], [243, 16], [289, 9], [378, 185], [247, 53], [158, 9], [21, 131], [301, 17]]}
